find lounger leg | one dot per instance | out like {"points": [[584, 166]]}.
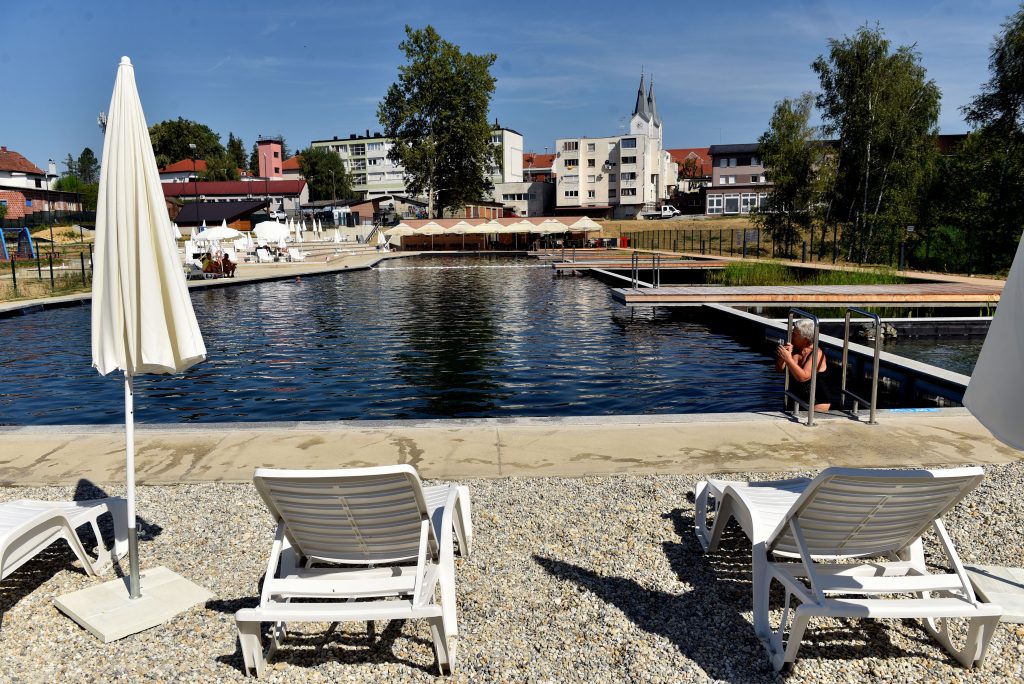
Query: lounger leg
{"points": [[103, 559], [975, 647], [119, 512], [796, 635], [251, 644], [464, 523], [445, 651], [700, 522], [762, 581]]}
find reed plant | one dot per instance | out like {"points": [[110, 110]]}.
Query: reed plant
{"points": [[749, 273], [31, 287]]}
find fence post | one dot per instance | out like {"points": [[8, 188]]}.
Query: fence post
{"points": [[732, 241], [52, 286], [720, 241], [744, 243], [81, 257], [804, 255], [14, 274], [91, 273], [758, 243]]}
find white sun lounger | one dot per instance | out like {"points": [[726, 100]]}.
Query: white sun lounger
{"points": [[845, 514], [374, 542], [28, 526]]}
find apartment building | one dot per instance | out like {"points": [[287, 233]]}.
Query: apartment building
{"points": [[374, 175], [616, 176], [738, 181]]}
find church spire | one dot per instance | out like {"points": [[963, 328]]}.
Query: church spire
{"points": [[641, 107], [652, 106]]}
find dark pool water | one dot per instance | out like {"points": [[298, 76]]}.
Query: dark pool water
{"points": [[432, 337], [956, 354]]}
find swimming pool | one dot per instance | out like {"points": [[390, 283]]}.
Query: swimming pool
{"points": [[423, 337]]}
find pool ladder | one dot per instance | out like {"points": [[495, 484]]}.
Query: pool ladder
{"points": [[655, 270], [843, 392]]}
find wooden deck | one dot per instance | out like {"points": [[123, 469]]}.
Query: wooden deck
{"points": [[910, 294]]}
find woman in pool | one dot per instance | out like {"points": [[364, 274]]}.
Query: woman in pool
{"points": [[797, 358]]}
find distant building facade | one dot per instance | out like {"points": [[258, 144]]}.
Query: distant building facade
{"points": [[270, 151], [738, 181], [26, 189], [616, 176], [284, 195], [694, 164]]}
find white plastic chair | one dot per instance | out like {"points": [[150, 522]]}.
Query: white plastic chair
{"points": [[845, 514], [263, 256], [29, 526], [370, 543], [296, 255]]}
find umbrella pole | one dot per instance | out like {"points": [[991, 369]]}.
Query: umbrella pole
{"points": [[133, 535]]}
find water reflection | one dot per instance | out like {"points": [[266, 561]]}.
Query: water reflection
{"points": [[481, 336]]}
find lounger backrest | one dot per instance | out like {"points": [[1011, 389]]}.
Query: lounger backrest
{"points": [[354, 516], [860, 512]]}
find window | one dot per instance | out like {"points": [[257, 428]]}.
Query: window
{"points": [[754, 161], [732, 161], [629, 175], [732, 204], [628, 192], [570, 145], [591, 178], [375, 146], [533, 196], [39, 183], [591, 163], [755, 179], [277, 169], [375, 161], [726, 180], [571, 179], [571, 163], [629, 143], [612, 192], [611, 144], [359, 150], [590, 147], [571, 193], [629, 160], [762, 201], [748, 203], [496, 139], [714, 204], [723, 162], [276, 154], [28, 203], [591, 194], [611, 178]]}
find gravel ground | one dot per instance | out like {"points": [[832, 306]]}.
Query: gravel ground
{"points": [[593, 579]]}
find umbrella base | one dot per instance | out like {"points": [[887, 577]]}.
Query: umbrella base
{"points": [[109, 614]]}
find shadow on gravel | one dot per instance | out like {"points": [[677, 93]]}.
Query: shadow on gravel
{"points": [[311, 648], [57, 557]]}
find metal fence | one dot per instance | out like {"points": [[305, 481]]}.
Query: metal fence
{"points": [[745, 242]]}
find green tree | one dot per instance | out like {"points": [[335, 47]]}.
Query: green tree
{"points": [[88, 191], [436, 116], [171, 140], [236, 151], [883, 111], [219, 167], [3, 211], [70, 166], [285, 152], [997, 146], [325, 174], [88, 167], [789, 153], [254, 160]]}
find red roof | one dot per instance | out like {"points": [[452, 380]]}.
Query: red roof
{"points": [[234, 188], [12, 161], [532, 160], [680, 155], [291, 164], [184, 165]]}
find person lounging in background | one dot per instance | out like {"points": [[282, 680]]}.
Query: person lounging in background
{"points": [[796, 357]]}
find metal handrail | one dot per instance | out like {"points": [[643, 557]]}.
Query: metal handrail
{"points": [[655, 269], [809, 404], [635, 268], [858, 400]]}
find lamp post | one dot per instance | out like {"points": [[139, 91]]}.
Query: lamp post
{"points": [[195, 182]]}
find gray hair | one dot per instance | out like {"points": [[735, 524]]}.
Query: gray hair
{"points": [[805, 328]]}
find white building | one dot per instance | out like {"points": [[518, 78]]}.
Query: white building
{"points": [[617, 176]]}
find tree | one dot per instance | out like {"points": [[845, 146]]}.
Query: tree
{"points": [[883, 111], [219, 167], [997, 146], [171, 141], [285, 152], [254, 160], [70, 166], [87, 191], [788, 152], [316, 165], [88, 167], [691, 168], [3, 211], [236, 151], [436, 117]]}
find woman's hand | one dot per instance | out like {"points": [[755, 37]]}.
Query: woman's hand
{"points": [[784, 352]]}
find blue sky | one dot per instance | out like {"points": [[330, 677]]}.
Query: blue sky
{"points": [[313, 69]]}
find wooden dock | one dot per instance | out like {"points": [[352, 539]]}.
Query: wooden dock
{"points": [[909, 294]]}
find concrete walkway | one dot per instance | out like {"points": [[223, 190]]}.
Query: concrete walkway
{"points": [[489, 448]]}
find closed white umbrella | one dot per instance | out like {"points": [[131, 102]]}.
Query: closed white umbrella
{"points": [[993, 394], [177, 231], [142, 317]]}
